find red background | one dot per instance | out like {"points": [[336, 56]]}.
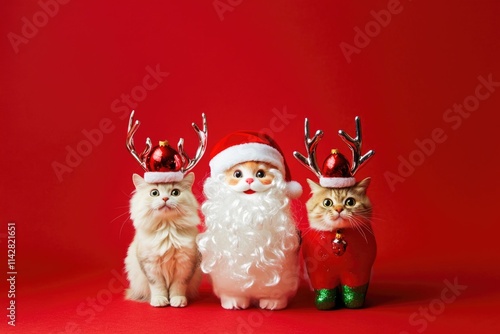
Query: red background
{"points": [[261, 58]]}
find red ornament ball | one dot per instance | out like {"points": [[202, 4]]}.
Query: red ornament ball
{"points": [[163, 158], [336, 165], [339, 247]]}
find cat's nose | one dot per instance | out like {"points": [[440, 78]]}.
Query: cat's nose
{"points": [[249, 181], [338, 208], [165, 199]]}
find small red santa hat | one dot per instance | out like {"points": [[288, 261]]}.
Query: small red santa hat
{"points": [[164, 164], [336, 172], [242, 146]]}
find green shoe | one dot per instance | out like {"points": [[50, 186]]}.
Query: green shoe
{"points": [[325, 298], [354, 297]]}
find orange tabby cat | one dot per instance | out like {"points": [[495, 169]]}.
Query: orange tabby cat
{"points": [[339, 248]]}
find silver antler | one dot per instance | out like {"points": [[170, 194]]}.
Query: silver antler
{"points": [[355, 146], [189, 163], [132, 129], [310, 162]]}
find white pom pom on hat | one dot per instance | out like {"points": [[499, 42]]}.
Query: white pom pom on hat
{"points": [[243, 146]]}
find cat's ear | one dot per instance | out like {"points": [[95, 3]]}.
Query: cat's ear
{"points": [[188, 180], [315, 188], [138, 180], [363, 185]]}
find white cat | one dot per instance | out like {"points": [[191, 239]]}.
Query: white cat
{"points": [[162, 262], [250, 247]]}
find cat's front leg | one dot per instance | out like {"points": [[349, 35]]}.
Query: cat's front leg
{"points": [[159, 295], [157, 285], [184, 271]]}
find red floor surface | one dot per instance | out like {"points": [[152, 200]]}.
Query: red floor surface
{"points": [[424, 77], [401, 304]]}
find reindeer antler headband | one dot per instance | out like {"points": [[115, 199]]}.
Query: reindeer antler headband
{"points": [[163, 163], [336, 171]]}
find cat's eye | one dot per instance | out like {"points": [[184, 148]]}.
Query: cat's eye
{"points": [[327, 203], [238, 174], [260, 174], [155, 193], [350, 201], [175, 192]]}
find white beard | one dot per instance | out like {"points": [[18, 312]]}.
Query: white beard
{"points": [[250, 247]]}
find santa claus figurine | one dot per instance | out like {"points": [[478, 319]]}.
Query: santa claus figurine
{"points": [[251, 243]]}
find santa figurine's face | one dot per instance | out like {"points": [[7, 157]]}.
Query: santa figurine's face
{"points": [[250, 177]]}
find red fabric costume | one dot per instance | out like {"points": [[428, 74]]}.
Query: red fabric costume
{"points": [[327, 270]]}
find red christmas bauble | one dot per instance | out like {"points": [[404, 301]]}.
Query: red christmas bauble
{"points": [[339, 247], [336, 165], [163, 158]]}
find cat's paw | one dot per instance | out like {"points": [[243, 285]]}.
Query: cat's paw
{"points": [[273, 304], [178, 301], [234, 303], [159, 301]]}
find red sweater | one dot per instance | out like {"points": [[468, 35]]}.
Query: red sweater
{"points": [[327, 270]]}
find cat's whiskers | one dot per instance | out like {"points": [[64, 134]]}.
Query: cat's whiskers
{"points": [[119, 216], [178, 208], [307, 230], [358, 226], [377, 217], [362, 225], [124, 222]]}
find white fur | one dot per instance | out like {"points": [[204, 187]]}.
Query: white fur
{"points": [[162, 260], [293, 189], [163, 177], [337, 182], [250, 247]]}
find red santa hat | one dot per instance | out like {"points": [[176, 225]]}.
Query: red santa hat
{"points": [[336, 172], [242, 146]]}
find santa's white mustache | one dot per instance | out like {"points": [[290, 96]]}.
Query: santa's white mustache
{"points": [[250, 184]]}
